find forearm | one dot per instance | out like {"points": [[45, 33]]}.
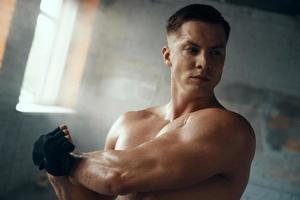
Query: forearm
{"points": [[66, 190], [142, 169], [122, 172], [96, 171]]}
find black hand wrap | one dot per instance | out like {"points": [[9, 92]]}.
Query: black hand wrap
{"points": [[51, 152]]}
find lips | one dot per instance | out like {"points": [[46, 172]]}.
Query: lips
{"points": [[204, 78]]}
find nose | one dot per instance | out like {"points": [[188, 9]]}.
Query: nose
{"points": [[202, 61]]}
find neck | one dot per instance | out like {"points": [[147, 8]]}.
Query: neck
{"points": [[182, 104]]}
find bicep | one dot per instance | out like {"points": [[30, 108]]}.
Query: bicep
{"points": [[169, 162], [179, 159]]}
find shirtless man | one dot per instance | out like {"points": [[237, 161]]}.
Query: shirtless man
{"points": [[192, 148]]}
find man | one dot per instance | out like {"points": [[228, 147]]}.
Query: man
{"points": [[189, 149]]}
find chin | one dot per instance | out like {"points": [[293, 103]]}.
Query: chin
{"points": [[199, 89]]}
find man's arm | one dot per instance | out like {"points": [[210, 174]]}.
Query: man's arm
{"points": [[66, 189], [207, 145]]}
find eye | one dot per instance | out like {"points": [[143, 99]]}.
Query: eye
{"points": [[192, 50], [216, 52]]}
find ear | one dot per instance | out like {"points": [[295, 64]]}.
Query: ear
{"points": [[166, 55]]}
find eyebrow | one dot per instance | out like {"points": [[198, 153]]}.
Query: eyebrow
{"points": [[219, 46]]}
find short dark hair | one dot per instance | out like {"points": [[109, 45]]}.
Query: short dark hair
{"points": [[197, 12]]}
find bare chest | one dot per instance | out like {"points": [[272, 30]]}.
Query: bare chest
{"points": [[139, 132]]}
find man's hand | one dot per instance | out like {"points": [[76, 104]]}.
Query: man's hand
{"points": [[66, 133], [51, 152]]}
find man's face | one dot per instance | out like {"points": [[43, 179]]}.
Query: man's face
{"points": [[196, 55]]}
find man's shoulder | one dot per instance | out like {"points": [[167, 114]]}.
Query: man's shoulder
{"points": [[127, 124], [219, 116], [225, 129], [220, 120], [140, 115]]}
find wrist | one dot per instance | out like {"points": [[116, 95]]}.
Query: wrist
{"points": [[77, 161], [60, 167], [57, 180]]}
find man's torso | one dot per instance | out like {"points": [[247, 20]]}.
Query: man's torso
{"points": [[147, 125]]}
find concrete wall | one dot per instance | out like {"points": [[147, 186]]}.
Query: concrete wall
{"points": [[124, 71]]}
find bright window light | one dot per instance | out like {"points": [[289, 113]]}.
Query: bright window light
{"points": [[51, 7], [47, 57], [36, 108]]}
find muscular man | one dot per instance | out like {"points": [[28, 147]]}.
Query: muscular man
{"points": [[192, 148]]}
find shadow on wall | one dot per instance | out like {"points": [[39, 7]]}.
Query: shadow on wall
{"points": [[281, 114], [275, 118]]}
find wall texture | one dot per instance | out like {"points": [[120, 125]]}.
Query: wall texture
{"points": [[124, 71]]}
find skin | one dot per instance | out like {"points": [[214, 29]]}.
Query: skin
{"points": [[190, 148]]}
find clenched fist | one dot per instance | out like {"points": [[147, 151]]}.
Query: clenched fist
{"points": [[51, 152]]}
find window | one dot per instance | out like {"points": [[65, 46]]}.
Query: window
{"points": [[46, 61]]}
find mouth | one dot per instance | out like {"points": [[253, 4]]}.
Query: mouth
{"points": [[203, 78]]}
